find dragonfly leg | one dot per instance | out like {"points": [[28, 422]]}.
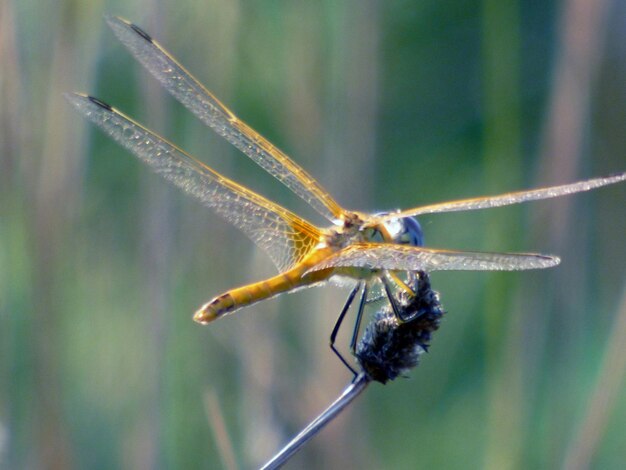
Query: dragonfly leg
{"points": [[402, 285], [413, 280], [359, 317], [397, 311], [333, 335]]}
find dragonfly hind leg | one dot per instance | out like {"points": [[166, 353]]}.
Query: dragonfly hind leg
{"points": [[362, 286]]}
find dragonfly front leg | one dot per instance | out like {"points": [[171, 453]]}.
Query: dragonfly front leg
{"points": [[404, 287], [389, 277]]}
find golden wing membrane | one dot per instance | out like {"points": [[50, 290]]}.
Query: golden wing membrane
{"points": [[487, 202], [394, 257], [186, 89], [284, 236]]}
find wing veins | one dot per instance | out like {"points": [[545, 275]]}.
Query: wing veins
{"points": [[201, 102], [283, 235], [506, 199], [376, 256]]}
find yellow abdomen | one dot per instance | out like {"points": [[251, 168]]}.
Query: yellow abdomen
{"points": [[288, 281]]}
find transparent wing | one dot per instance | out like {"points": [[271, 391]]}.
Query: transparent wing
{"points": [[186, 89], [506, 199], [411, 258], [286, 237]]}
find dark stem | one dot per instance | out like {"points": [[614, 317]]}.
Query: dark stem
{"points": [[350, 393]]}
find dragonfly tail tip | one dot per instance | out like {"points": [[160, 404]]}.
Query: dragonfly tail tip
{"points": [[204, 315]]}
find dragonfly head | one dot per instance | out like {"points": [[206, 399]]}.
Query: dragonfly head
{"points": [[403, 230]]}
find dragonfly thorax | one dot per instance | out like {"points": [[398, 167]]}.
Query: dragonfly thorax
{"points": [[348, 230]]}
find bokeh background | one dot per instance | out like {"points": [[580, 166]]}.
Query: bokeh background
{"points": [[388, 104]]}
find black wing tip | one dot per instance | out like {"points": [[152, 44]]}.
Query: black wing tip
{"points": [[78, 98], [84, 103], [141, 32], [550, 260], [98, 102], [117, 21]]}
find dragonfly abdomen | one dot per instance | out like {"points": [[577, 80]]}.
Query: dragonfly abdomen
{"points": [[244, 296]]}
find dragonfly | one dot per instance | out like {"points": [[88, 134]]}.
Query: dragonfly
{"points": [[389, 349], [383, 249]]}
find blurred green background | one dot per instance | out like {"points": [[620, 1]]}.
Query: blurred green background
{"points": [[388, 104]]}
